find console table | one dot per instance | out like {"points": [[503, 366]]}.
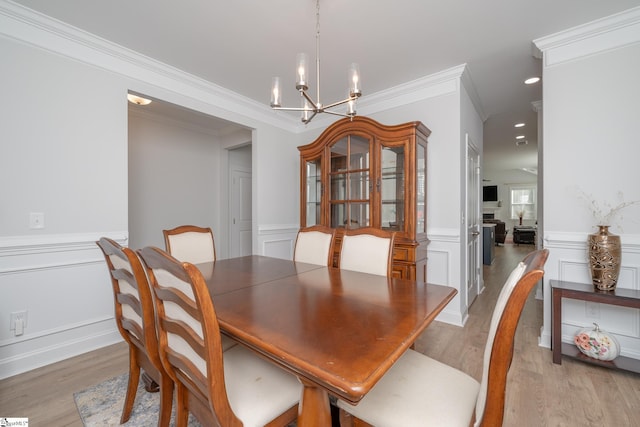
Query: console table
{"points": [[524, 234], [587, 292]]}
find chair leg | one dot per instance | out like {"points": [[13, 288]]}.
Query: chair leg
{"points": [[132, 387], [346, 419], [182, 407], [166, 400]]}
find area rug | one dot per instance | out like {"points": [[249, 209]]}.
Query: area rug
{"points": [[101, 405]]}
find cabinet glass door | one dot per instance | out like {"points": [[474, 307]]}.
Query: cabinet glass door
{"points": [[349, 183], [421, 189], [313, 192], [392, 185]]}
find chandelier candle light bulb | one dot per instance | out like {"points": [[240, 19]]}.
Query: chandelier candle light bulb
{"points": [[276, 93], [354, 78], [301, 72]]}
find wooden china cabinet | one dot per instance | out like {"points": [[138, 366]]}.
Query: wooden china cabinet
{"points": [[360, 173]]}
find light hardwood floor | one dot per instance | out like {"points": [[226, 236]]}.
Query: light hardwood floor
{"points": [[539, 393]]}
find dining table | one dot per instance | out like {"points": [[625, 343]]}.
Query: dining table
{"points": [[338, 331]]}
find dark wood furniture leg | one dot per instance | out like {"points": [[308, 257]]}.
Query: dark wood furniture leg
{"points": [[556, 322]]}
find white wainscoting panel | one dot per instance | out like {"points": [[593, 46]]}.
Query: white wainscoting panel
{"points": [[277, 240], [443, 261], [63, 284]]}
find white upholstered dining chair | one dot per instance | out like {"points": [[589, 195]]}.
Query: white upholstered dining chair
{"points": [[190, 243], [135, 319], [420, 391], [314, 245], [193, 244], [231, 388], [367, 250]]}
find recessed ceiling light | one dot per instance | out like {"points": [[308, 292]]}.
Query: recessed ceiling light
{"points": [[532, 80], [518, 125], [135, 99], [521, 142], [520, 137]]}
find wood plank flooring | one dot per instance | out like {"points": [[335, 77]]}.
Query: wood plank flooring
{"points": [[539, 393]]}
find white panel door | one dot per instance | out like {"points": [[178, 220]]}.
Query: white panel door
{"points": [[240, 198], [473, 222]]}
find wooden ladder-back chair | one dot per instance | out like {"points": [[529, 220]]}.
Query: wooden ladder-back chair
{"points": [[420, 391], [367, 250], [314, 245], [134, 314], [231, 388], [190, 243]]}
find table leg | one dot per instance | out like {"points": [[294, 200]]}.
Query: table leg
{"points": [[314, 410], [556, 326]]}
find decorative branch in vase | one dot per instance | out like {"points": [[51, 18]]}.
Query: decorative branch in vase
{"points": [[604, 213]]}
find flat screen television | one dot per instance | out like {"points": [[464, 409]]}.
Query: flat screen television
{"points": [[490, 193]]}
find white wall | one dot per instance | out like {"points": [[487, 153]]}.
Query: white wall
{"points": [[590, 114], [174, 179], [64, 153]]}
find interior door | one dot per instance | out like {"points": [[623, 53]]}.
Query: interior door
{"points": [[240, 205], [473, 222]]}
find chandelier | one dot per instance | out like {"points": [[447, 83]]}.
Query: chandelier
{"points": [[309, 108]]}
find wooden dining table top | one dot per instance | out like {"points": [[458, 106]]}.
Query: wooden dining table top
{"points": [[336, 330]]}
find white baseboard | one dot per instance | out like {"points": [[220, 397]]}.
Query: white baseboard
{"points": [[43, 356]]}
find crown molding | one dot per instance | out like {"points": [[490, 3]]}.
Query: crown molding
{"points": [[611, 32], [431, 86], [28, 26]]}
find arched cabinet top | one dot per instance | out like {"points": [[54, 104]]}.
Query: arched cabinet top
{"points": [[364, 126]]}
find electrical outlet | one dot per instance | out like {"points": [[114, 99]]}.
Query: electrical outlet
{"points": [[18, 322]]}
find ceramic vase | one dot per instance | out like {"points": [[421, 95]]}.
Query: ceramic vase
{"points": [[604, 258]]}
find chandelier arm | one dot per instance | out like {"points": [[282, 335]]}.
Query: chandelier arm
{"points": [[289, 108], [335, 113], [312, 116], [335, 104], [308, 98]]}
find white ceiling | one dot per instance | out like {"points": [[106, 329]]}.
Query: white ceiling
{"points": [[242, 44]]}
